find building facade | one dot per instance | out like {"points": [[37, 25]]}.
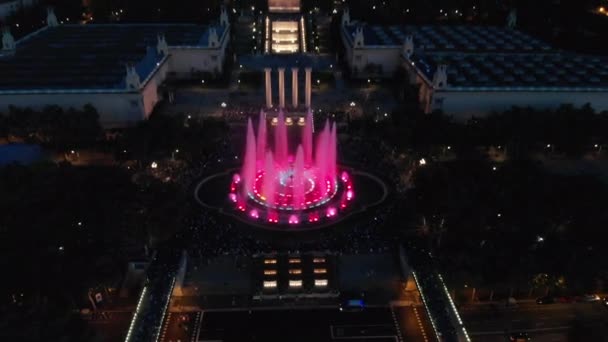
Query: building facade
{"points": [[116, 68], [468, 71], [10, 7]]}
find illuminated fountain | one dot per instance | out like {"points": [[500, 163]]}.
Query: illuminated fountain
{"points": [[293, 186]]}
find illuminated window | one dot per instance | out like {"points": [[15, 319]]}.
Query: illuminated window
{"points": [[318, 260], [295, 283], [270, 261], [295, 261], [320, 270], [320, 282], [270, 272], [295, 271], [270, 284]]}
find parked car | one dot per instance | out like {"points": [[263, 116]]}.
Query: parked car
{"points": [[605, 301], [545, 300], [591, 298], [565, 299], [511, 302], [519, 337]]}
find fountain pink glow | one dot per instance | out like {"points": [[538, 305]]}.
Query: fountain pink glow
{"points": [[279, 184]]}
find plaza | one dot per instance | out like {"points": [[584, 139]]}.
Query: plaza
{"points": [[288, 172]]}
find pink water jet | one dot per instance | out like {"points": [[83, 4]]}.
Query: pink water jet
{"points": [[287, 182], [261, 142], [249, 166], [307, 138], [280, 141], [298, 180]]}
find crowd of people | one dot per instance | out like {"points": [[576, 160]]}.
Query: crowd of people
{"points": [[240, 114], [207, 233], [211, 233]]}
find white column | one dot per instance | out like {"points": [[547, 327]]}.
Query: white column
{"points": [[268, 88], [294, 87], [282, 87], [308, 86]]}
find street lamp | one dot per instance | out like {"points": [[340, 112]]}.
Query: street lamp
{"points": [[422, 162], [223, 105], [154, 165]]}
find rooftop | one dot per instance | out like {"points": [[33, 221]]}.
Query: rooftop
{"points": [[78, 57], [555, 71], [452, 38]]}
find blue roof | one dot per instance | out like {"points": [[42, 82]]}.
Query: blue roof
{"points": [[556, 71], [70, 57], [461, 38]]}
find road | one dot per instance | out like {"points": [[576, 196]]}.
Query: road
{"points": [[376, 324], [110, 326], [550, 323]]}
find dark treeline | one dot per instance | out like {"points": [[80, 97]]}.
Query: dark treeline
{"points": [[516, 227], [568, 129], [52, 126]]}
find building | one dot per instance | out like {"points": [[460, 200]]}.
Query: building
{"points": [[466, 85], [284, 27], [469, 71], [10, 7], [118, 68], [378, 50]]}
